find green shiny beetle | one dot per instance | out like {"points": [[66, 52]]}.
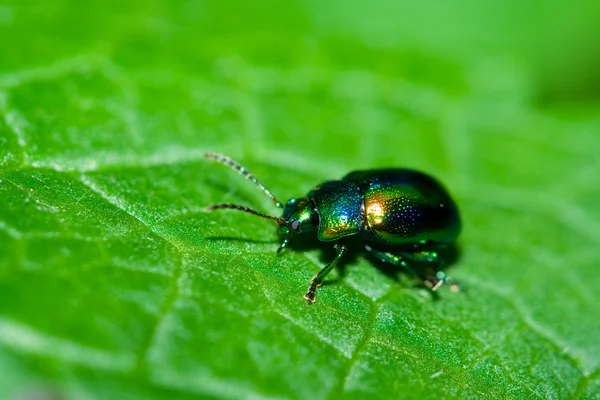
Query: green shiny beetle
{"points": [[403, 217]]}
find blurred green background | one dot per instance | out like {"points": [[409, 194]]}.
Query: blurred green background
{"points": [[116, 283]]}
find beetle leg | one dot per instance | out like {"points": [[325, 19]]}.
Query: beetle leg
{"points": [[421, 256], [431, 278], [391, 258], [283, 244], [318, 279]]}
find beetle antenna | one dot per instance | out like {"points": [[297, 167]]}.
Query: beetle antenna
{"points": [[280, 221], [242, 171]]}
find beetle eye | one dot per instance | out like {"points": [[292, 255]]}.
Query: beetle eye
{"points": [[295, 225]]}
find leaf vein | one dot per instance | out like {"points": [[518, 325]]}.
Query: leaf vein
{"points": [[174, 290], [23, 338]]}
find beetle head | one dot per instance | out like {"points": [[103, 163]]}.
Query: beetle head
{"points": [[300, 216]]}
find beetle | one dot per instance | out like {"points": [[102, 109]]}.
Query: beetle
{"points": [[403, 217]]}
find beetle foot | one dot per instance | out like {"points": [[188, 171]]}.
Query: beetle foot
{"points": [[454, 285], [434, 283], [312, 292]]}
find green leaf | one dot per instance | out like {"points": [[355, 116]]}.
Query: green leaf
{"points": [[115, 282]]}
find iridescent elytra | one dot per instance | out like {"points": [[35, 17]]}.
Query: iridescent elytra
{"points": [[402, 216]]}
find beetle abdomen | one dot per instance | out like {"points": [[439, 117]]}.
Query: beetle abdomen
{"points": [[403, 206]]}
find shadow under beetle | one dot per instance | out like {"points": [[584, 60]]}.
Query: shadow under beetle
{"points": [[403, 216]]}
